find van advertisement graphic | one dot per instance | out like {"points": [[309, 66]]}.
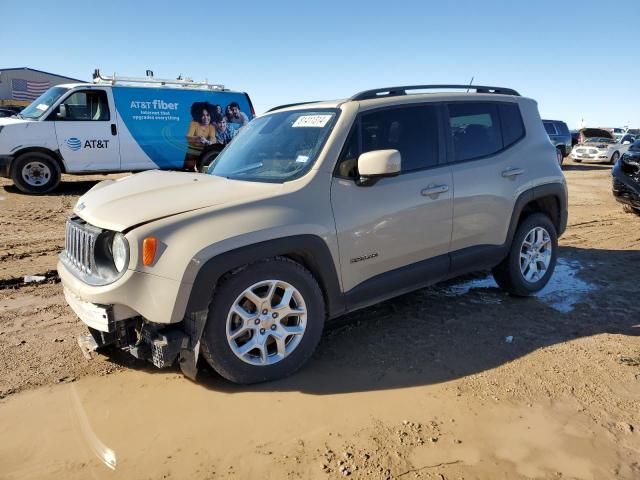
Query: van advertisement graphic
{"points": [[173, 127]]}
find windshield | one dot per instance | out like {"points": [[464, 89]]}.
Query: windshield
{"points": [[41, 104], [277, 147]]}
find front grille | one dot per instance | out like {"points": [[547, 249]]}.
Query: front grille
{"points": [[590, 151], [79, 243]]}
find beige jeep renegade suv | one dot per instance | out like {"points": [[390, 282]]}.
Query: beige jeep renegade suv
{"points": [[313, 211]]}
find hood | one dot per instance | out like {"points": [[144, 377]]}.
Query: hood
{"points": [[4, 121], [595, 132], [141, 198]]}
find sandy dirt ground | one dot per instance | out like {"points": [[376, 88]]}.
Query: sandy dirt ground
{"points": [[456, 381]]}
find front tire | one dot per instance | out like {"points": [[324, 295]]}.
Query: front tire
{"points": [[532, 258], [614, 158], [35, 172], [264, 322]]}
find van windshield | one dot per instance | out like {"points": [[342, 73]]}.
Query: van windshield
{"points": [[277, 147], [41, 104]]}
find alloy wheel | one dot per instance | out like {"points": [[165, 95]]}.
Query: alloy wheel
{"points": [[535, 254], [266, 322]]}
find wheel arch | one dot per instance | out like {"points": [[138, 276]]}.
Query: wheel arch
{"points": [[54, 154], [550, 199], [310, 251]]}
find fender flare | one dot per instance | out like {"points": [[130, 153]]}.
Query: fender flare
{"points": [[555, 190], [309, 250]]}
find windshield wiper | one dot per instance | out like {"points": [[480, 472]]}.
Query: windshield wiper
{"points": [[248, 168]]}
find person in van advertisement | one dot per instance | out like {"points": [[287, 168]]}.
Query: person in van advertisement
{"points": [[235, 117], [224, 134], [201, 130]]}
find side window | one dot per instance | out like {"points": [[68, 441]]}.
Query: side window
{"points": [[475, 128], [511, 121], [550, 128], [84, 105], [413, 131], [562, 128]]}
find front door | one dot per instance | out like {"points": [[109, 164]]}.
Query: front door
{"points": [[394, 228], [86, 130]]}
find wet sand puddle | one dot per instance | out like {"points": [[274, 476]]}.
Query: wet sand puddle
{"points": [[141, 425], [564, 290]]}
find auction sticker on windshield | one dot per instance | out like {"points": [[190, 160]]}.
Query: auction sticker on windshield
{"points": [[317, 121]]}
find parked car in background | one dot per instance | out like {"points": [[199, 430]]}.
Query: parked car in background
{"points": [[5, 112], [119, 124], [626, 179], [618, 133], [560, 136], [600, 149], [316, 210]]}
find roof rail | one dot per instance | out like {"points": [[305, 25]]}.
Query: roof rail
{"points": [[98, 78], [287, 105], [397, 91]]}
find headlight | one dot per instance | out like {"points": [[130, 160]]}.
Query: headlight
{"points": [[119, 249]]}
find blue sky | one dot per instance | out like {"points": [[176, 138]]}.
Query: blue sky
{"points": [[577, 59]]}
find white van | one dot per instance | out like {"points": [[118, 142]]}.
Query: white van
{"points": [[113, 125]]}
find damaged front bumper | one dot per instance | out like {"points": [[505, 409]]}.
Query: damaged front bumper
{"points": [[159, 344], [626, 183]]}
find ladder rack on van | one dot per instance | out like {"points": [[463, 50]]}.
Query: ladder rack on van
{"points": [[98, 78]]}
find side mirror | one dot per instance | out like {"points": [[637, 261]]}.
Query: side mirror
{"points": [[61, 113], [377, 164]]}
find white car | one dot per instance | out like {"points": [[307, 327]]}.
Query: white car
{"points": [[599, 149]]}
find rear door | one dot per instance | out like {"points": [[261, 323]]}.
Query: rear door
{"points": [[489, 171], [86, 131]]}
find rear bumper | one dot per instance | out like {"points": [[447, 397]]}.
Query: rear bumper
{"points": [[5, 165]]}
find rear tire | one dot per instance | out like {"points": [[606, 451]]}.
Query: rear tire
{"points": [[35, 172], [246, 345], [529, 264], [560, 156]]}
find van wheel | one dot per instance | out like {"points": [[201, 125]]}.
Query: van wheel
{"points": [[202, 165], [532, 258], [35, 172], [264, 322]]}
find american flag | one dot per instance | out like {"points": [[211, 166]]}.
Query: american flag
{"points": [[26, 89]]}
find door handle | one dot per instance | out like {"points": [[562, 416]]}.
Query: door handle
{"points": [[435, 190], [114, 130], [512, 172]]}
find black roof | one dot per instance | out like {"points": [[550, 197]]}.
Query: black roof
{"points": [[397, 91], [42, 71]]}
